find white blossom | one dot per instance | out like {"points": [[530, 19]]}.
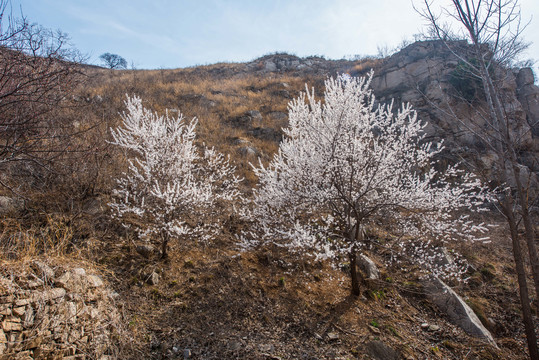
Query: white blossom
{"points": [[346, 164], [171, 186]]}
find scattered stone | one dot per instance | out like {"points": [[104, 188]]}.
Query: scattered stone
{"points": [[234, 345], [278, 115], [434, 328], [153, 278], [333, 336], [22, 302], [254, 114], [51, 294], [79, 271], [29, 317], [5, 309], [34, 284], [424, 326], [45, 269], [368, 267], [266, 348], [12, 324], [247, 151], [458, 311], [267, 134], [63, 280], [19, 311], [3, 341], [94, 281], [380, 351], [8, 204], [246, 120], [374, 330], [146, 251]]}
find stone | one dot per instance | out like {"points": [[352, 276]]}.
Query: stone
{"points": [[525, 77], [33, 342], [255, 115], [29, 317], [278, 115], [9, 204], [153, 278], [11, 324], [45, 269], [270, 66], [459, 313], [246, 120], [267, 134], [94, 281], [3, 341], [34, 284], [368, 267], [380, 351], [146, 251], [434, 328], [19, 311], [63, 280], [266, 348], [23, 355], [424, 326], [5, 309], [22, 302], [51, 294], [234, 345], [247, 151], [79, 272], [333, 336]]}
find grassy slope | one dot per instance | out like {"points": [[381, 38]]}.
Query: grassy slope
{"points": [[262, 305]]}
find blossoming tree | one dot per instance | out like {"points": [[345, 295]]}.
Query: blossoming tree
{"points": [[346, 164], [171, 187]]}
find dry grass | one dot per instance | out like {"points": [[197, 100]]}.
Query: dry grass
{"points": [[209, 298]]}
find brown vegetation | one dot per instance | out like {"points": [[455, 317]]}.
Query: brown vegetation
{"points": [[209, 298]]}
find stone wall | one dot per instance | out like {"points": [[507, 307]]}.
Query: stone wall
{"points": [[51, 312]]}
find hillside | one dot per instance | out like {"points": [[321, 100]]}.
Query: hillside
{"points": [[75, 283]]}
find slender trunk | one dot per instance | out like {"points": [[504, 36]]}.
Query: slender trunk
{"points": [[506, 152], [528, 228], [164, 245], [353, 273], [507, 143], [522, 285]]}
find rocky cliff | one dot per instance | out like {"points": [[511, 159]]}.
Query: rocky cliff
{"points": [[429, 76]]}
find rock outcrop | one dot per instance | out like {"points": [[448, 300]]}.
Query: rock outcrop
{"points": [[428, 75], [459, 313]]}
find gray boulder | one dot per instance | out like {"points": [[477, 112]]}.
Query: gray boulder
{"points": [[459, 313], [368, 267]]}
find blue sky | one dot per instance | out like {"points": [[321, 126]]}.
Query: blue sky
{"points": [[171, 34]]}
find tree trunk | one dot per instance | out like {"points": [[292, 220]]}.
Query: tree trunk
{"points": [[164, 245], [354, 274], [522, 285], [528, 226], [505, 141]]}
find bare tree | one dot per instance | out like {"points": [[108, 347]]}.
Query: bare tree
{"points": [[38, 69], [493, 28], [113, 61]]}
